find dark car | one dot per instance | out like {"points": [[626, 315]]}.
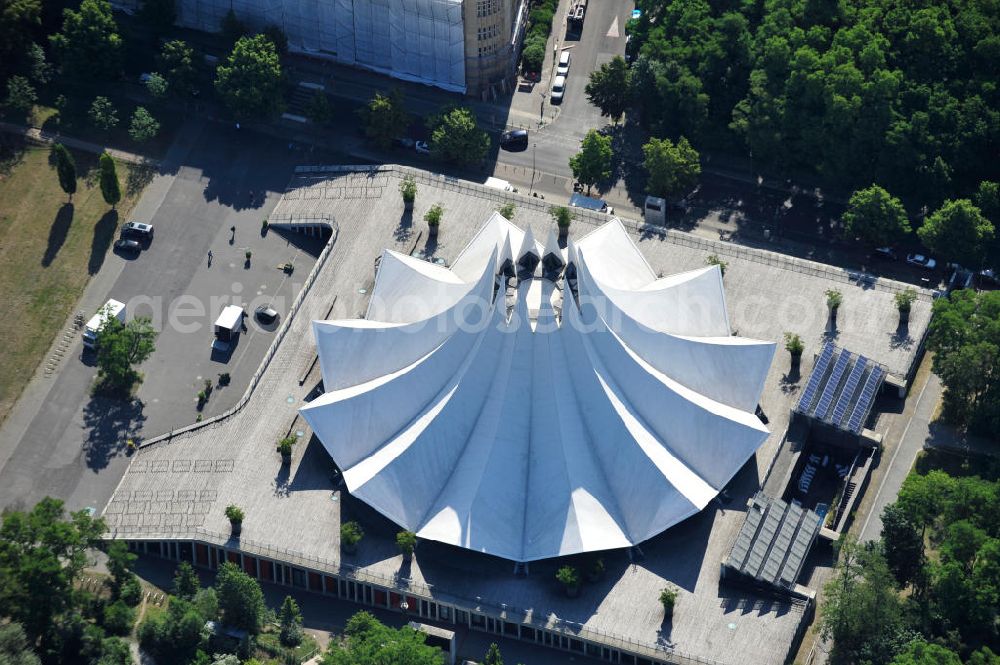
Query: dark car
{"points": [[266, 314], [138, 230], [516, 139], [127, 245]]}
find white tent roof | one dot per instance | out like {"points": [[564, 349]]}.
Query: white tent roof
{"points": [[568, 425]]}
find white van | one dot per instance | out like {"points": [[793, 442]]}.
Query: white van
{"points": [[111, 310], [558, 88], [563, 68]]}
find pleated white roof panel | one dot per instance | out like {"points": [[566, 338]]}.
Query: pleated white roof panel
{"points": [[593, 414]]}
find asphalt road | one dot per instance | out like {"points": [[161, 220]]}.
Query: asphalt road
{"points": [[64, 443]]}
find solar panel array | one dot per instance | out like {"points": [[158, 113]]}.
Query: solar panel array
{"points": [[846, 397], [864, 403], [817, 375], [826, 399]]}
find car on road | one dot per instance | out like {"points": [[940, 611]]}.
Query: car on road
{"points": [[924, 262], [885, 253], [558, 89], [266, 314], [516, 139], [137, 230], [563, 68], [422, 147], [128, 246]]}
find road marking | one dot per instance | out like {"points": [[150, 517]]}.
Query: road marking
{"points": [[613, 31], [916, 406]]}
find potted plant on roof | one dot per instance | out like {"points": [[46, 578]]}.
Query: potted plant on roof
{"points": [[350, 535], [408, 188], [668, 598], [569, 577], [904, 301], [406, 541], [563, 217], [285, 448], [596, 570], [714, 260], [794, 346], [834, 298], [235, 516], [433, 219]]}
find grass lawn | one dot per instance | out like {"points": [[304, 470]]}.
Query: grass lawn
{"points": [[49, 248]]}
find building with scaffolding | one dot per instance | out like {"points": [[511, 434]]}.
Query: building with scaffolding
{"points": [[466, 46]]}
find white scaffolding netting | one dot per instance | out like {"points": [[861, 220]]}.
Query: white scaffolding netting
{"points": [[414, 40]]}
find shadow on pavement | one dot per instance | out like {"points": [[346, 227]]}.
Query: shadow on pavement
{"points": [[109, 423]]}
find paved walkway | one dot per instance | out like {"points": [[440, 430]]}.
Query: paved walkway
{"points": [[43, 136]]}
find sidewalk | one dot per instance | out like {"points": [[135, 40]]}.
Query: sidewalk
{"points": [[41, 136]]}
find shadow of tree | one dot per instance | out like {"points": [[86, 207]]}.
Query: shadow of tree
{"points": [[901, 339], [109, 423], [104, 234], [139, 176], [405, 228], [57, 233], [790, 380]]}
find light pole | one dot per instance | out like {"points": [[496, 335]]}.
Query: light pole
{"points": [[532, 187]]}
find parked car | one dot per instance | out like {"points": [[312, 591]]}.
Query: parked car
{"points": [[563, 67], [925, 262], [886, 253], [558, 89], [128, 246], [516, 139], [137, 230], [422, 147], [266, 314]]}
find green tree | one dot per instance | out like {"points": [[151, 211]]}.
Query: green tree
{"points": [[157, 85], [384, 118], [174, 636], [158, 15], [987, 199], [115, 651], [42, 553], [65, 168], [406, 542], [533, 55], [103, 114], [959, 232], [18, 19], [143, 126], [89, 46], [186, 584], [250, 81], [121, 348], [21, 95], [862, 613], [14, 647], [902, 544], [876, 216], [919, 652], [608, 88], [593, 164], [493, 656], [120, 562], [111, 189], [369, 642], [672, 168], [290, 620], [456, 137], [118, 618], [240, 598], [176, 61], [38, 67]]}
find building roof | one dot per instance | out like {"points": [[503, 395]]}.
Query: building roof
{"points": [[530, 418], [774, 541]]}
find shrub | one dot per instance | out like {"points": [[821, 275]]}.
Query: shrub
{"points": [[118, 618], [668, 598], [351, 534], [433, 216], [568, 576], [234, 514], [406, 541], [562, 216], [834, 298], [285, 446], [793, 344], [533, 55], [408, 188], [131, 591], [224, 379], [714, 260], [904, 299], [507, 210]]}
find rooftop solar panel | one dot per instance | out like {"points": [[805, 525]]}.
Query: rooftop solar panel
{"points": [[817, 374], [826, 399], [865, 400], [847, 394]]}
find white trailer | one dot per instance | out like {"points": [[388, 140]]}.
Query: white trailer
{"points": [[227, 327], [498, 183], [92, 332]]}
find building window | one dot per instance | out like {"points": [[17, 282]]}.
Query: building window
{"points": [[487, 7]]}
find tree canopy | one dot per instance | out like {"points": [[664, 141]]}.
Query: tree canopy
{"points": [[176, 62], [121, 347], [958, 231], [593, 163], [608, 88], [89, 46], [456, 137], [65, 168], [250, 80], [143, 126], [370, 642], [965, 338], [111, 189], [240, 598], [672, 168], [384, 118], [876, 217]]}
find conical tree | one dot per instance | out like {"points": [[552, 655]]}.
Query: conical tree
{"points": [[493, 656], [111, 189], [66, 168], [291, 622]]}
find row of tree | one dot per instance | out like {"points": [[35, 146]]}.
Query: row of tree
{"points": [[858, 91], [928, 592]]}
